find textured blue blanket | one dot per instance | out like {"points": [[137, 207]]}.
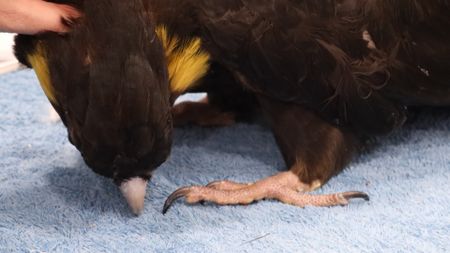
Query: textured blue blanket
{"points": [[50, 201]]}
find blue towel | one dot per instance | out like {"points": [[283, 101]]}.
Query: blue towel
{"points": [[50, 201]]}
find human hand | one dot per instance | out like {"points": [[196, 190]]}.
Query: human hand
{"points": [[34, 16]]}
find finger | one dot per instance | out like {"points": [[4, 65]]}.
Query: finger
{"points": [[34, 16]]}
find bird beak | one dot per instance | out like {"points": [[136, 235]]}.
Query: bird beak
{"points": [[134, 192]]}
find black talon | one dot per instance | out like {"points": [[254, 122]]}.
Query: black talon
{"points": [[181, 192], [212, 183], [353, 195]]}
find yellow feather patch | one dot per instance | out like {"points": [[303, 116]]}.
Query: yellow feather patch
{"points": [[39, 63], [187, 62]]}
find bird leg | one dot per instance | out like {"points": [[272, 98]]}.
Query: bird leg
{"points": [[313, 149], [226, 101], [201, 113], [284, 187]]}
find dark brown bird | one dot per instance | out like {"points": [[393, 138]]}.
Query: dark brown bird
{"points": [[326, 75]]}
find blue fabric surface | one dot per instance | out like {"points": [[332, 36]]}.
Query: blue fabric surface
{"points": [[50, 201]]}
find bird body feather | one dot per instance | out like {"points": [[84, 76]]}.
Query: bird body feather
{"points": [[316, 54]]}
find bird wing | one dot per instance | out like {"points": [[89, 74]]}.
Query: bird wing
{"points": [[303, 52], [415, 36]]}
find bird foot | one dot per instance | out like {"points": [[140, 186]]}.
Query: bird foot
{"points": [[202, 114], [284, 187]]}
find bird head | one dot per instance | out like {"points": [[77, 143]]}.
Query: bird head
{"points": [[108, 80]]}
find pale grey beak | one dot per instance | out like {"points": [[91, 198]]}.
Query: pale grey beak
{"points": [[134, 192]]}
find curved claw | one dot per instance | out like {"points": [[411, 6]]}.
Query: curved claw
{"points": [[214, 183], [355, 194], [181, 192]]}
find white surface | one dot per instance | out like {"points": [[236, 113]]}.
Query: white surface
{"points": [[7, 60]]}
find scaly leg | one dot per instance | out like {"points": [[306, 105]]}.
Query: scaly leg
{"points": [[227, 185], [226, 103], [285, 187], [313, 149], [201, 113]]}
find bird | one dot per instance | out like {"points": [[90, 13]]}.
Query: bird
{"points": [[324, 75]]}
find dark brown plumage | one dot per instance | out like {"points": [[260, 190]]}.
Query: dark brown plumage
{"points": [[109, 84], [325, 74]]}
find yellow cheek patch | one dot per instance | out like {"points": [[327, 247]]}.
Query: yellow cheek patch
{"points": [[39, 63], [187, 62]]}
